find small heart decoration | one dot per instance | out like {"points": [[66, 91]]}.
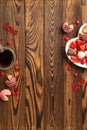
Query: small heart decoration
{"points": [[67, 28], [76, 48], [4, 93]]}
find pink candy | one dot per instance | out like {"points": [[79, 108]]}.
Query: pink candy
{"points": [[4, 93], [11, 82]]}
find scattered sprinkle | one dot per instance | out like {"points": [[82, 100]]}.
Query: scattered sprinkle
{"points": [[17, 92], [75, 75], [77, 94], [66, 38], [69, 68], [15, 32], [78, 85], [2, 73], [7, 27], [8, 43], [13, 93], [74, 87], [16, 68], [77, 22]]}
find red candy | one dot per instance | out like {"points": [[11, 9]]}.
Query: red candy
{"points": [[83, 61], [13, 93], [74, 87], [9, 43], [75, 75], [66, 38], [6, 26], [17, 92], [75, 59], [69, 68], [81, 48], [73, 45], [15, 32], [16, 68], [79, 84], [79, 43], [82, 81], [2, 73], [77, 22], [10, 29]]}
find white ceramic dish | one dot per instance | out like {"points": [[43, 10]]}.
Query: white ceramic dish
{"points": [[80, 30], [68, 44]]}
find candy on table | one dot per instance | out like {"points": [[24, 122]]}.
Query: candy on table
{"points": [[4, 93], [67, 28], [72, 52], [81, 54], [10, 81]]}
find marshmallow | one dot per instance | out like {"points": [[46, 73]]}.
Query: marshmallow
{"points": [[81, 54], [86, 53]]}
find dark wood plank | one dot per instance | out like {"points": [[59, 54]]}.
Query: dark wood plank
{"points": [[12, 113], [84, 89], [34, 61], [72, 103], [54, 78]]}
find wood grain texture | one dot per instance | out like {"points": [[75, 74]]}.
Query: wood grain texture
{"points": [[54, 79], [72, 103], [12, 113], [84, 89], [34, 61], [46, 100]]}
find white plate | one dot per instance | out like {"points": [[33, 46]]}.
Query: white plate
{"points": [[68, 44], [80, 30]]}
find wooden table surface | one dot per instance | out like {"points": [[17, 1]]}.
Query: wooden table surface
{"points": [[46, 100]]}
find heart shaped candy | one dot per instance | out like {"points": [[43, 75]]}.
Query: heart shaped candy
{"points": [[67, 28], [4, 93]]}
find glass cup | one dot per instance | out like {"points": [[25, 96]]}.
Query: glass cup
{"points": [[7, 58]]}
